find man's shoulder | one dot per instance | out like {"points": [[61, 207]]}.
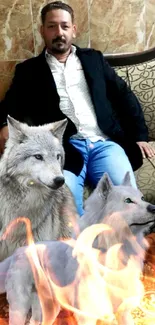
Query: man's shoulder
{"points": [[90, 53], [30, 63], [87, 50]]}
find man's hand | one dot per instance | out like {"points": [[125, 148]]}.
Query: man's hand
{"points": [[3, 137], [146, 149]]}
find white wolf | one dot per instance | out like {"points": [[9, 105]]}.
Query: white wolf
{"points": [[108, 199], [32, 185]]}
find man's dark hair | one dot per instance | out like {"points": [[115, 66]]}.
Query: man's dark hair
{"points": [[54, 6]]}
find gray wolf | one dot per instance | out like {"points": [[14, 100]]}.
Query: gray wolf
{"points": [[108, 201], [32, 185], [103, 206]]}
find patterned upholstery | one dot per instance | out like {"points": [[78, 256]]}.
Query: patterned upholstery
{"points": [[123, 73], [145, 177], [142, 82], [141, 78]]}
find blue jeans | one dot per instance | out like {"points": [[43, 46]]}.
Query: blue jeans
{"points": [[99, 157]]}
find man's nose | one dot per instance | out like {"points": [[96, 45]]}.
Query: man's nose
{"points": [[59, 31]]}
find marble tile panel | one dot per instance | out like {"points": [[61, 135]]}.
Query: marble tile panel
{"points": [[6, 74], [117, 26], [150, 24], [81, 17], [16, 41]]}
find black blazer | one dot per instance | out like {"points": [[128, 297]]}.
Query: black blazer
{"points": [[33, 98]]}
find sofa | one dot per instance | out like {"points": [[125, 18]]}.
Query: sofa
{"points": [[138, 70]]}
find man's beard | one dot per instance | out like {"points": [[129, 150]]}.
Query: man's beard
{"points": [[59, 45]]}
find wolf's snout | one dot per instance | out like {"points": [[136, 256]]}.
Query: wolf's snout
{"points": [[151, 208], [58, 181]]}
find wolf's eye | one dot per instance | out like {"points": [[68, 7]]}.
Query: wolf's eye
{"points": [[38, 157], [142, 198], [58, 156], [128, 200]]}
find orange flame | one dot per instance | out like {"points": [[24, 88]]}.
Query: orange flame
{"points": [[106, 287], [98, 291]]}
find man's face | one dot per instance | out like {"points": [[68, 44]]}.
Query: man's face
{"points": [[58, 31]]}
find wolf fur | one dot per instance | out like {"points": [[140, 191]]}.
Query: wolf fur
{"points": [[122, 207], [109, 203], [32, 185]]}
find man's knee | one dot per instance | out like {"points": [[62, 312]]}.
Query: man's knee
{"points": [[115, 148]]}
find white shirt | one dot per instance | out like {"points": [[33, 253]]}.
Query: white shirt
{"points": [[75, 99]]}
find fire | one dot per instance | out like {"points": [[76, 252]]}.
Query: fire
{"points": [[107, 285], [3, 322]]}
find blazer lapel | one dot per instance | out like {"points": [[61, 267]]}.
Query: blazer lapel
{"points": [[87, 62], [93, 74], [46, 72]]}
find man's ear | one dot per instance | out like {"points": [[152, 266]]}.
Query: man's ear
{"points": [[74, 31]]}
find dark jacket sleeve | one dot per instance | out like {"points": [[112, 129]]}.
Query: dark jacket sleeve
{"points": [[10, 103], [127, 106]]}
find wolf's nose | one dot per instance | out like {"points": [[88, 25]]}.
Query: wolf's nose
{"points": [[58, 181], [151, 208]]}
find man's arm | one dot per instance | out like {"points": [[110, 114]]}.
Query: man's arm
{"points": [[8, 106], [128, 108], [3, 137]]}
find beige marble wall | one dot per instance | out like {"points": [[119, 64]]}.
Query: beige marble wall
{"points": [[109, 25], [118, 26], [150, 24]]}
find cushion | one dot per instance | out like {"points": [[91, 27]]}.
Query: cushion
{"points": [[123, 73], [142, 82], [145, 178]]}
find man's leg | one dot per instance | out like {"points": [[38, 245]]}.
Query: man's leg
{"points": [[76, 183], [108, 156], [71, 181]]}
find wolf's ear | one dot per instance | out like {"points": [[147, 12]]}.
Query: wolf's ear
{"points": [[58, 129], [15, 128], [105, 184], [127, 180]]}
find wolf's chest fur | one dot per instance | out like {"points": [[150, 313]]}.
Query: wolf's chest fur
{"points": [[45, 211], [21, 201]]}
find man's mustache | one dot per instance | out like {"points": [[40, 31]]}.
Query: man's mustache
{"points": [[59, 39]]}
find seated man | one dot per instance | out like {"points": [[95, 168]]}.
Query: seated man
{"points": [[106, 129]]}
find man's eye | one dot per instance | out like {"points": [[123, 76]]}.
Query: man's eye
{"points": [[128, 200], [38, 157], [50, 27]]}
